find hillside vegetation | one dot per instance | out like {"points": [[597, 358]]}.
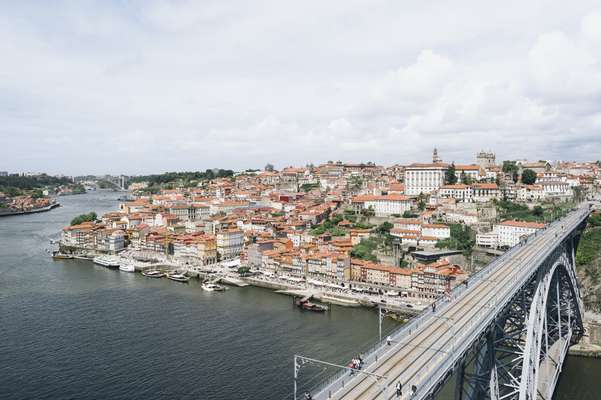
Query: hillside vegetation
{"points": [[588, 264]]}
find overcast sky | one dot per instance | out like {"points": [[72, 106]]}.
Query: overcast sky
{"points": [[150, 86]]}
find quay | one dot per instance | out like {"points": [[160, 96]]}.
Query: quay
{"points": [[220, 273], [9, 213]]}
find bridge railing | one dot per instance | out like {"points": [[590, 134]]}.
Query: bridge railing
{"points": [[486, 316], [384, 351]]}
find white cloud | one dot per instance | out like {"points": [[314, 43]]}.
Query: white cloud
{"points": [[559, 66], [189, 85], [426, 77]]}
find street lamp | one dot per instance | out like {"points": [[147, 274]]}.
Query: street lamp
{"points": [[299, 361]]}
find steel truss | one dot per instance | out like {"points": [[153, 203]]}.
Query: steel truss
{"points": [[520, 355]]}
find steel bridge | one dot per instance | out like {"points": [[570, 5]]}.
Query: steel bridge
{"points": [[504, 335]]}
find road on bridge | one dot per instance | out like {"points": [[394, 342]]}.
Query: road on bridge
{"points": [[418, 355]]}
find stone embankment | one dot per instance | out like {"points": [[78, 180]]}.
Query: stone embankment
{"points": [[590, 344]]}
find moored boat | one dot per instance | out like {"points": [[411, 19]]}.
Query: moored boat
{"points": [[178, 278], [153, 273], [127, 267], [305, 304], [106, 261], [213, 287], [60, 256]]}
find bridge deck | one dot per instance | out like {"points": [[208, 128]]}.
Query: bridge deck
{"points": [[423, 355]]}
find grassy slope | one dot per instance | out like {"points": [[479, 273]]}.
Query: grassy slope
{"points": [[588, 265]]}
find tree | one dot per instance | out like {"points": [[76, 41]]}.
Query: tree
{"points": [[409, 214], [89, 217], [509, 167], [466, 179], [364, 250], [578, 194], [243, 270], [462, 238], [384, 228], [450, 176], [538, 211], [528, 177], [269, 167]]}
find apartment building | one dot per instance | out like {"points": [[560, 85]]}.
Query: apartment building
{"points": [[424, 178], [508, 233], [229, 243], [384, 205]]}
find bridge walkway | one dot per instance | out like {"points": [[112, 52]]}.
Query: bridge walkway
{"points": [[423, 355]]}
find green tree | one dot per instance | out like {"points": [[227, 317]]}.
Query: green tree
{"points": [[594, 220], [578, 194], [91, 216], [509, 167], [538, 211], [462, 238], [450, 176], [384, 228], [409, 214], [528, 177], [364, 250]]}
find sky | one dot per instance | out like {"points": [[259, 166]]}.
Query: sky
{"points": [[137, 87]]}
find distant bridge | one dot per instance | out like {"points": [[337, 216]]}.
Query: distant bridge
{"points": [[503, 336], [118, 182]]}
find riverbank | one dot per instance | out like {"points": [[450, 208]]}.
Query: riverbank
{"points": [[220, 272], [25, 212], [585, 350], [590, 344]]}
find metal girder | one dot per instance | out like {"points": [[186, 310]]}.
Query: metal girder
{"points": [[532, 332]]}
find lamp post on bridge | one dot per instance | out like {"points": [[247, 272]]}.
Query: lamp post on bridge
{"points": [[380, 319], [299, 361]]}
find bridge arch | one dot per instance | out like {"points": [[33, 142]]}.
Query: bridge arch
{"points": [[556, 315], [530, 335]]}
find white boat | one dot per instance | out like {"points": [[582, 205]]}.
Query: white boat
{"points": [[392, 293], [106, 261], [154, 273], [178, 277], [213, 287], [127, 267]]}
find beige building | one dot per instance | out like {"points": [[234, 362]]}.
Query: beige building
{"points": [[424, 178]]}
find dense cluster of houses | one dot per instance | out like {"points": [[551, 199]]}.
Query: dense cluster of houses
{"points": [[23, 202], [270, 219]]}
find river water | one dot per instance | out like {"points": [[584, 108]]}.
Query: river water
{"points": [[73, 330]]}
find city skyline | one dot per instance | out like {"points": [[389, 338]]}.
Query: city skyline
{"points": [[157, 86]]}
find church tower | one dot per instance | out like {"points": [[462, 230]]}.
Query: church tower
{"points": [[435, 158]]}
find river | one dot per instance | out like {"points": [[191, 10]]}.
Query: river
{"points": [[73, 330]]}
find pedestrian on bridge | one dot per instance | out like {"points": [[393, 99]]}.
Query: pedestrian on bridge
{"points": [[308, 396], [413, 391], [434, 307], [388, 340], [399, 390]]}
